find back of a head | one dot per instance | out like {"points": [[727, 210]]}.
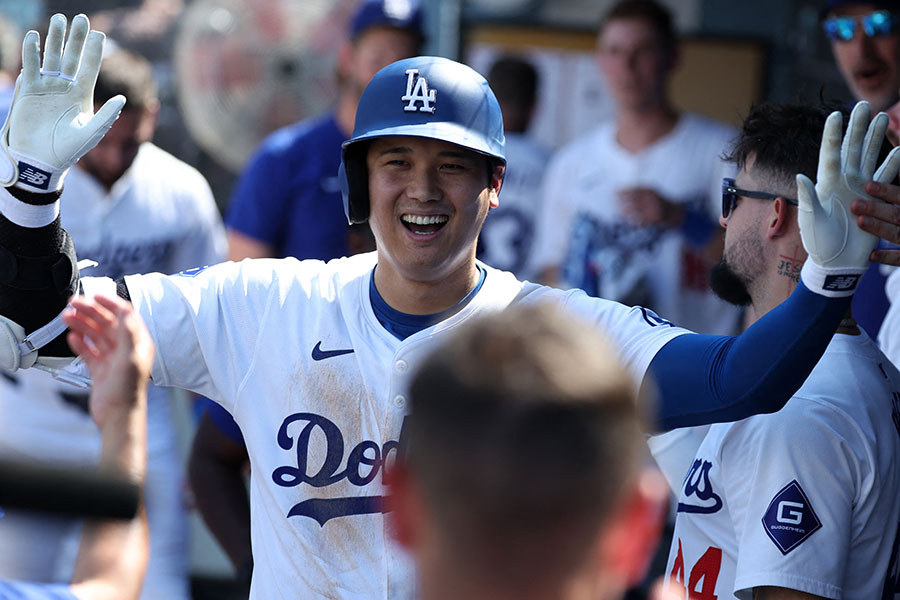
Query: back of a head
{"points": [[129, 74], [523, 435], [783, 140], [515, 82]]}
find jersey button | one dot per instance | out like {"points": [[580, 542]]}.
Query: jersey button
{"points": [[399, 401], [400, 366]]}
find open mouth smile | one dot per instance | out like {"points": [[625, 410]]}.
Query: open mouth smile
{"points": [[424, 224]]}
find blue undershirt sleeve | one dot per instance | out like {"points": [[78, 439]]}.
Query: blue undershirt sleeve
{"points": [[14, 590], [705, 379]]}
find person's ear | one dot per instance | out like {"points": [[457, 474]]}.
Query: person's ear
{"points": [[403, 507], [148, 121], [632, 535], [780, 218], [496, 183]]}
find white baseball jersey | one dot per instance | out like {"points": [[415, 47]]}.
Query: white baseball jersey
{"points": [[159, 216], [889, 333], [507, 237], [295, 352], [805, 498], [584, 232]]}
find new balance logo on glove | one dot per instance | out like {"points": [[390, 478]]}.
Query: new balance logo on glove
{"points": [[33, 176], [840, 283]]}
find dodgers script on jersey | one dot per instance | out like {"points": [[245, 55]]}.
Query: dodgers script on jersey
{"points": [[805, 498], [317, 386]]}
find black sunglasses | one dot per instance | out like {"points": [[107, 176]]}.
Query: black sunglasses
{"points": [[730, 195], [878, 23]]}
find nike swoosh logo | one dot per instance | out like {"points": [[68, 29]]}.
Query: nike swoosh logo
{"points": [[319, 354]]}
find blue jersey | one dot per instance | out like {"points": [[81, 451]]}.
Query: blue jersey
{"points": [[870, 302], [289, 195]]}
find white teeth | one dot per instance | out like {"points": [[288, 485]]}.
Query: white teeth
{"points": [[420, 220]]}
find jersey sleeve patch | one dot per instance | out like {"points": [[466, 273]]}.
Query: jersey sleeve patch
{"points": [[790, 519], [192, 272]]}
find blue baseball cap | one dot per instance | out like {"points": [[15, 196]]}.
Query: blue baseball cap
{"points": [[401, 14]]}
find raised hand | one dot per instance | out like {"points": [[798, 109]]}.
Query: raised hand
{"points": [[51, 122], [113, 341], [881, 217], [838, 249]]}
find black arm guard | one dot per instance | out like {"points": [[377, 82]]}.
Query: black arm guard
{"points": [[37, 272]]}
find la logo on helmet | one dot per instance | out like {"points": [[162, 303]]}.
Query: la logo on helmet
{"points": [[417, 91]]}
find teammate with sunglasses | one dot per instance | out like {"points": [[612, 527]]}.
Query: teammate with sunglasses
{"points": [[866, 45]]}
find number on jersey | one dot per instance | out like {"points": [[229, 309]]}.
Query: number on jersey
{"points": [[703, 575]]}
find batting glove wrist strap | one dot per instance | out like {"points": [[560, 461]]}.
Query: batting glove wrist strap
{"points": [[834, 283], [51, 122], [838, 249], [32, 174], [20, 351]]}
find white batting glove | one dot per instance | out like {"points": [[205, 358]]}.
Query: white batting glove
{"points": [[51, 123], [838, 249]]}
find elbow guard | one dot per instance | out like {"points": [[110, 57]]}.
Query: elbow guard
{"points": [[38, 274]]}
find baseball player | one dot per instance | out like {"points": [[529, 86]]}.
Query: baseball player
{"points": [[801, 503], [534, 395], [313, 359], [635, 220]]}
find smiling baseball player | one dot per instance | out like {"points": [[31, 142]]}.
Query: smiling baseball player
{"points": [[313, 358]]}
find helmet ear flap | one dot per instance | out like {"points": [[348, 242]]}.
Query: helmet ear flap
{"points": [[354, 177]]}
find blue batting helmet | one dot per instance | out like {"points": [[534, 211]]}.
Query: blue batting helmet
{"points": [[426, 96]]}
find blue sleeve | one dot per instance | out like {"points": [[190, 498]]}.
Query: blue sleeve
{"points": [[14, 590], [259, 200], [222, 419], [711, 379]]}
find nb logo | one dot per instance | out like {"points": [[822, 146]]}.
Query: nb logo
{"points": [[790, 513], [841, 282], [417, 91], [33, 176]]}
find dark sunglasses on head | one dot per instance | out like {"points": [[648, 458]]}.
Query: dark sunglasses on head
{"points": [[878, 23], [730, 195]]}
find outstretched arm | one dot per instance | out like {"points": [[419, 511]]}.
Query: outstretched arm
{"points": [[51, 124], [706, 379], [111, 338]]}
